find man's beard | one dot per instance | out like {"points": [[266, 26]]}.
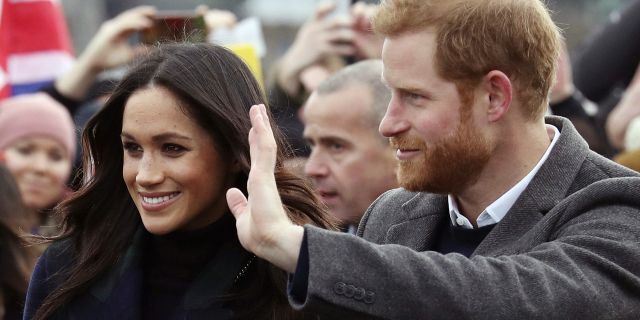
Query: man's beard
{"points": [[449, 166]]}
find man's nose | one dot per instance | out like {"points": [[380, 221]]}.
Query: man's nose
{"points": [[394, 123], [315, 166]]}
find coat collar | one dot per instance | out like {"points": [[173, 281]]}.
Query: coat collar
{"points": [[423, 212], [550, 185], [547, 189]]}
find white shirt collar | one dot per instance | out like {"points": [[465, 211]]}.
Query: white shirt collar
{"points": [[499, 208]]}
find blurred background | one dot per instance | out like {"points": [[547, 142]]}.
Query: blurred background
{"points": [[281, 18]]}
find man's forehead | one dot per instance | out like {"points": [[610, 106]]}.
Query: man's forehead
{"points": [[323, 134], [326, 115], [403, 80], [352, 98], [323, 119]]}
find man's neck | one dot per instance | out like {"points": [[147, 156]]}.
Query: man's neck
{"points": [[515, 156]]}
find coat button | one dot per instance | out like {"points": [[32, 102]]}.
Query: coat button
{"points": [[369, 297], [350, 291], [339, 288]]}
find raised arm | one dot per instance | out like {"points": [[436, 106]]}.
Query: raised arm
{"points": [[627, 109], [263, 226], [108, 48]]}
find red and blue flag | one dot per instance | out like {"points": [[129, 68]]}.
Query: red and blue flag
{"points": [[35, 46]]}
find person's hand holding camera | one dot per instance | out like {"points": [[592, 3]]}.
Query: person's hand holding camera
{"points": [[108, 48]]}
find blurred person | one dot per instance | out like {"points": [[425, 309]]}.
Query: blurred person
{"points": [[109, 48], [84, 89], [610, 55], [149, 234], [37, 136], [322, 46], [626, 118], [351, 163], [503, 213], [604, 66], [16, 259], [632, 136], [624, 112], [567, 101]]}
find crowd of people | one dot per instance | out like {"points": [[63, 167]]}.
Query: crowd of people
{"points": [[413, 159]]}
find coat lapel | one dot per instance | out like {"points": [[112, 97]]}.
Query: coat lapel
{"points": [[217, 278], [550, 185], [118, 293], [424, 213]]}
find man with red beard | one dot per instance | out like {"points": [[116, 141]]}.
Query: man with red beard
{"points": [[502, 214], [351, 163]]}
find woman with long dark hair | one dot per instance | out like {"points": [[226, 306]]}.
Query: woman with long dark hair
{"points": [[149, 234], [16, 259]]}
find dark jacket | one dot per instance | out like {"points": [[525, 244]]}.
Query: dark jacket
{"points": [[569, 248], [117, 294]]}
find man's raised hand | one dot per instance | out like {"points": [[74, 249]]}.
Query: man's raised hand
{"points": [[262, 223]]}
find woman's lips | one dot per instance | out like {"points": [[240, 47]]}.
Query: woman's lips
{"points": [[157, 201]]}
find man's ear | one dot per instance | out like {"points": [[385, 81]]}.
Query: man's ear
{"points": [[500, 92]]}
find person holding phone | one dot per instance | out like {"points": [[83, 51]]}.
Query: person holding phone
{"points": [[336, 34], [149, 234]]}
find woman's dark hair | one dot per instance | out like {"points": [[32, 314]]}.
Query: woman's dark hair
{"points": [[216, 89], [16, 259]]}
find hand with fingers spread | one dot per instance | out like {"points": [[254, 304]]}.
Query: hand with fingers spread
{"points": [[262, 223], [317, 39], [108, 48]]}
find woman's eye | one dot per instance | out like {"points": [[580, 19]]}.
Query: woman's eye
{"points": [[131, 148], [173, 148], [25, 150], [56, 156]]}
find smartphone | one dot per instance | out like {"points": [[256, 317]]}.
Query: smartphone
{"points": [[342, 9], [176, 26]]}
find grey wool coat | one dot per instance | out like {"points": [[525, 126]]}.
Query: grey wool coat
{"points": [[569, 248]]}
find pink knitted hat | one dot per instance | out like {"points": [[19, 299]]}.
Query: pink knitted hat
{"points": [[36, 115]]}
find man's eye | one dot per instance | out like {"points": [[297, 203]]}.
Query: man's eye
{"points": [[413, 96], [336, 147]]}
